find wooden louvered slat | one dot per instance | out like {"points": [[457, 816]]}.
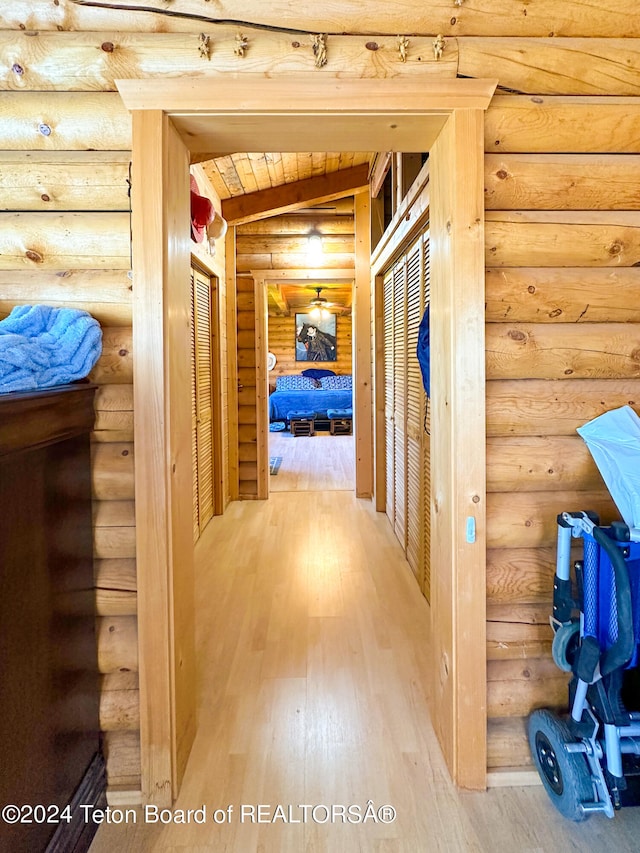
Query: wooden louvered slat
{"points": [[194, 416], [426, 447], [204, 397], [388, 395], [415, 393], [400, 397]]}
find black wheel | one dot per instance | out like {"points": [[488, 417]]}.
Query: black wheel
{"points": [[566, 641], [565, 775]]}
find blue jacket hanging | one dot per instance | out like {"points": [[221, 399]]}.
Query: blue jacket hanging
{"points": [[423, 350]]}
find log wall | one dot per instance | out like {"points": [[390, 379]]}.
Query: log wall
{"points": [[563, 208], [563, 346], [282, 333]]}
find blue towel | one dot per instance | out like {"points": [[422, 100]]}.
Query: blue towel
{"points": [[42, 346]]}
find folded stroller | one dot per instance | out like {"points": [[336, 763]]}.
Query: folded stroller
{"points": [[590, 762]]}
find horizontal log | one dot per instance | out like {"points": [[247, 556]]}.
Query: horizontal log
{"points": [[543, 18], [119, 710], [115, 602], [114, 514], [115, 364], [114, 542], [112, 471], [62, 241], [562, 181], [64, 180], [122, 755], [528, 519], [553, 407], [515, 688], [293, 261], [506, 641], [520, 575], [562, 239], [569, 124], [106, 313], [113, 405], [90, 61], [257, 244], [64, 121], [554, 66], [562, 295], [117, 639], [69, 286], [531, 463], [328, 225], [565, 350], [508, 742], [115, 574]]}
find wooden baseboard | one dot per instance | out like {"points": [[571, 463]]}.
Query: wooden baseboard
{"points": [[512, 777]]}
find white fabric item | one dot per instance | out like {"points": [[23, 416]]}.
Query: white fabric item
{"points": [[613, 439]]}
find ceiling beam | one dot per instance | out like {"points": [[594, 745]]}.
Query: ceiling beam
{"points": [[276, 200]]}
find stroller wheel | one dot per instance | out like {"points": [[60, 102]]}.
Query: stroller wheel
{"points": [[565, 775], [565, 645]]}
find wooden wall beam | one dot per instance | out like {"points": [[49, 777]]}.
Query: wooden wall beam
{"points": [[528, 519], [94, 60], [563, 294], [562, 238], [562, 181], [533, 351], [64, 121], [288, 197], [63, 241], [553, 407], [580, 125], [64, 180], [362, 368], [544, 17], [555, 66], [540, 463]]}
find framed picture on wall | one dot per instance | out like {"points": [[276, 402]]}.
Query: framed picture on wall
{"points": [[315, 339]]}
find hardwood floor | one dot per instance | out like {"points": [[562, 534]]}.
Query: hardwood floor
{"points": [[314, 669], [317, 463]]}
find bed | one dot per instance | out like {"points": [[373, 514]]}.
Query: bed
{"points": [[297, 393]]}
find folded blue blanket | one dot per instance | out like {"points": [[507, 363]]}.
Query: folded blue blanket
{"points": [[42, 346]]}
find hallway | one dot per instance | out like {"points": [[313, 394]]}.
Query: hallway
{"points": [[313, 656]]}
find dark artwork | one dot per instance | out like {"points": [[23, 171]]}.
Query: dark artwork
{"points": [[315, 339]]}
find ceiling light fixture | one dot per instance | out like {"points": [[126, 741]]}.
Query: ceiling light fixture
{"points": [[319, 306], [314, 247]]}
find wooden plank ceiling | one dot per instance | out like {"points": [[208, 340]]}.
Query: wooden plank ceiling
{"points": [[239, 174]]}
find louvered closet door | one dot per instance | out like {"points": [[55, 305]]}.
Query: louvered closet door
{"points": [[388, 396], [415, 394], [194, 414], [204, 396], [400, 399], [426, 446]]}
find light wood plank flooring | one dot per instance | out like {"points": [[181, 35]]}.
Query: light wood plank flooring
{"points": [[315, 463], [314, 671]]}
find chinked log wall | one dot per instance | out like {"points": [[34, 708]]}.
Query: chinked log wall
{"points": [[563, 220]]}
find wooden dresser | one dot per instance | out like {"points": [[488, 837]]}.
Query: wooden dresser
{"points": [[49, 689]]}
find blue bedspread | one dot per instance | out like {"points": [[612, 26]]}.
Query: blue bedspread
{"points": [[316, 400]]}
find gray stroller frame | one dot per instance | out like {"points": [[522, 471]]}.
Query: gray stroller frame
{"points": [[581, 760]]}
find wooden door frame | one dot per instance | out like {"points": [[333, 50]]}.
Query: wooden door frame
{"points": [[175, 118]]}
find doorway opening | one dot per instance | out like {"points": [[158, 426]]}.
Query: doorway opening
{"points": [[175, 121]]}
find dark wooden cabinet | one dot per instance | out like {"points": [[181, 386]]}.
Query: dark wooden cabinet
{"points": [[49, 690]]}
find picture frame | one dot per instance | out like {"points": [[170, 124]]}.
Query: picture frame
{"points": [[315, 339]]}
